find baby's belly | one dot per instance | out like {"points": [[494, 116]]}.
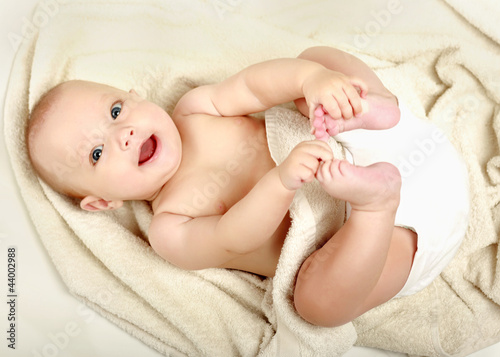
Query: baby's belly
{"points": [[264, 260]]}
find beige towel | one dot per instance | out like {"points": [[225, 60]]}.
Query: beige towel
{"points": [[162, 49]]}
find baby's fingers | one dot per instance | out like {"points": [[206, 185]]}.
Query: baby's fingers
{"points": [[360, 85], [336, 104], [321, 150], [324, 171], [310, 153], [356, 92], [342, 103]]}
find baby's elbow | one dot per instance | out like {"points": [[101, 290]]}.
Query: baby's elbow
{"points": [[172, 255], [168, 248], [163, 248]]}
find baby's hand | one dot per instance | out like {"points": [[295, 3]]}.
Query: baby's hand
{"points": [[303, 162], [324, 126], [335, 94]]}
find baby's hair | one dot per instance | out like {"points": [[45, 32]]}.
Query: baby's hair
{"points": [[38, 116]]}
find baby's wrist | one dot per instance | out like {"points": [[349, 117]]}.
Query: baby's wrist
{"points": [[283, 182]]}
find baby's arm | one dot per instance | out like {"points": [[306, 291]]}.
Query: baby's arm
{"points": [[264, 85], [205, 242], [210, 241]]}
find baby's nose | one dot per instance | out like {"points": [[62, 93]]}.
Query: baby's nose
{"points": [[125, 137]]}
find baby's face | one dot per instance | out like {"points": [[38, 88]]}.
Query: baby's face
{"points": [[109, 143]]}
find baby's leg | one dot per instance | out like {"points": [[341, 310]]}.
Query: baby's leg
{"points": [[367, 261]]}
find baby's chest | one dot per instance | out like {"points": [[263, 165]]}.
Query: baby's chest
{"points": [[212, 190], [230, 158]]}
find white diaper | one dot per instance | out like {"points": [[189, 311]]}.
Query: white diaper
{"points": [[434, 194]]}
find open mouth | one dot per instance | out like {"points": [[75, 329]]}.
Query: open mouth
{"points": [[148, 150]]}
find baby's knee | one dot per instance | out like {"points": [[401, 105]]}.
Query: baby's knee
{"points": [[312, 308], [313, 302]]}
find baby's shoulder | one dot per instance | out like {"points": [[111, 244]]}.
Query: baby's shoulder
{"points": [[172, 198], [196, 101]]}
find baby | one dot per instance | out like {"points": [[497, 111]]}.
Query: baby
{"points": [[105, 146]]}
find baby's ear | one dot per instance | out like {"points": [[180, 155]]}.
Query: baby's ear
{"points": [[92, 203]]}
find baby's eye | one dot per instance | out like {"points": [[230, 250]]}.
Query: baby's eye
{"points": [[96, 154], [115, 110]]}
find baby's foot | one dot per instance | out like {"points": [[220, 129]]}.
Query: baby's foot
{"points": [[379, 112], [372, 188]]}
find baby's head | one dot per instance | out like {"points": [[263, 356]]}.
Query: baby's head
{"points": [[101, 144]]}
